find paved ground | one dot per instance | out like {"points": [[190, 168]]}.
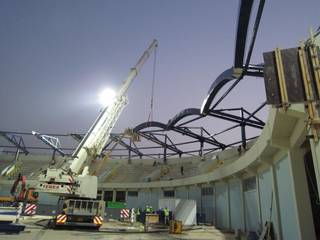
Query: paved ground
{"points": [[110, 231]]}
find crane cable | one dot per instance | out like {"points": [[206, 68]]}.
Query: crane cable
{"points": [[150, 117]]}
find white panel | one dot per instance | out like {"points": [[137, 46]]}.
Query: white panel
{"points": [[170, 203], [186, 211], [287, 210], [221, 211], [235, 204]]}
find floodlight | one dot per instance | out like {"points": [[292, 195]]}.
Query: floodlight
{"points": [[107, 97]]}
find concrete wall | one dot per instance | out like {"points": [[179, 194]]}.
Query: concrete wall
{"points": [[276, 164]]}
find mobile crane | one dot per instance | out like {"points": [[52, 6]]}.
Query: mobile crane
{"points": [[72, 182]]}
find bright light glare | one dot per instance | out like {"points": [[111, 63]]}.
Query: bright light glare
{"points": [[106, 97]]}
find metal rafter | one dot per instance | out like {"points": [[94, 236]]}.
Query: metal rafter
{"points": [[51, 141], [128, 147], [151, 137], [181, 130], [16, 140], [237, 119]]}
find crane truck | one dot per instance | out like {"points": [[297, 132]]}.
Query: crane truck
{"points": [[72, 182]]}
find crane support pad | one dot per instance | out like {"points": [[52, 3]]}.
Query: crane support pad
{"points": [[6, 227], [292, 75]]}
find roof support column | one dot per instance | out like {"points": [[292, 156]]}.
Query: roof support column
{"points": [[243, 210], [228, 206], [259, 199]]}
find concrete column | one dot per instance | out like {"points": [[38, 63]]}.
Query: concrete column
{"points": [[188, 192], [275, 205], [114, 195], [102, 194], [243, 210], [215, 204], [301, 197], [126, 196], [228, 205], [259, 201]]}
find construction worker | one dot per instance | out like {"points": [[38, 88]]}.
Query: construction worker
{"points": [[166, 215], [138, 214], [148, 209]]}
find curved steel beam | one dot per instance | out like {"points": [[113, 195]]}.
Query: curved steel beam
{"points": [[184, 113], [242, 30], [225, 77], [239, 70], [150, 124]]}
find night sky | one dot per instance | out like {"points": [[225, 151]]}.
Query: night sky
{"points": [[56, 56]]}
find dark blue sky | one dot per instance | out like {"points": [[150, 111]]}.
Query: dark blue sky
{"points": [[55, 56]]}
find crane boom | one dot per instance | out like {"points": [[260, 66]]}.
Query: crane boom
{"points": [[73, 178], [99, 133]]}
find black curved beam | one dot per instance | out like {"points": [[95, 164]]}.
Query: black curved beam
{"points": [[148, 125], [184, 113], [239, 70], [254, 34], [222, 79], [242, 30]]}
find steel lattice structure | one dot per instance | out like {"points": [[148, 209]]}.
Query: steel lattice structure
{"points": [[157, 136]]}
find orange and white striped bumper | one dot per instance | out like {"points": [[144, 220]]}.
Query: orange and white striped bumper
{"points": [[61, 219], [98, 220]]}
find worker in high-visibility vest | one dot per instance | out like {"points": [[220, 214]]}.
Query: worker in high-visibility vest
{"points": [[138, 214], [149, 209], [166, 215]]}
